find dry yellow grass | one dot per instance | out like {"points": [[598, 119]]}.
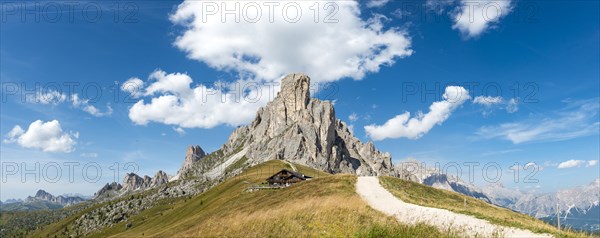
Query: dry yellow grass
{"points": [[322, 216], [326, 206]]}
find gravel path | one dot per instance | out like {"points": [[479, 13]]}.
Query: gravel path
{"points": [[382, 200]]}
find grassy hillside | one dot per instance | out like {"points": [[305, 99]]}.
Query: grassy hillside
{"points": [[324, 206], [420, 194]]}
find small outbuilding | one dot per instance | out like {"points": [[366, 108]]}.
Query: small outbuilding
{"points": [[286, 178]]}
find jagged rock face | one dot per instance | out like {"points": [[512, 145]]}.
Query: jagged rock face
{"points": [[133, 182], [43, 195], [192, 155], [304, 130], [159, 178], [108, 189]]}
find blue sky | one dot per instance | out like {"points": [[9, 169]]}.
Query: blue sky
{"points": [[549, 49]]}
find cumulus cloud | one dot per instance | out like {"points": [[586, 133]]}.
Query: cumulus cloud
{"points": [[475, 17], [133, 86], [576, 120], [267, 46], [413, 128], [592, 163], [174, 101], [377, 3], [47, 136]]}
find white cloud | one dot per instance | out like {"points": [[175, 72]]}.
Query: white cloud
{"points": [[377, 3], [474, 17], [487, 100], [174, 102], [571, 163], [272, 47], [133, 86], [56, 98], [490, 102], [577, 120], [413, 128], [353, 117], [592, 163], [84, 105], [512, 106], [47, 97], [47, 136], [179, 130]]}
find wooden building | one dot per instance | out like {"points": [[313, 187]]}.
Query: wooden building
{"points": [[286, 178]]}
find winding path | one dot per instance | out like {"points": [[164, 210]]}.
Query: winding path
{"points": [[380, 199]]}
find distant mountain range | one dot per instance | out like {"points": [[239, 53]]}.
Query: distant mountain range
{"points": [[42, 201], [579, 207]]}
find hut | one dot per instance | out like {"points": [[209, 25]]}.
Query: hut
{"points": [[286, 178]]}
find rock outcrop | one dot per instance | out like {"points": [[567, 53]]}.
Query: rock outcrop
{"points": [[304, 130], [192, 155], [133, 182], [108, 190], [159, 178]]}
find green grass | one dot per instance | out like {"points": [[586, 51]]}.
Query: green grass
{"points": [[324, 206], [423, 195]]}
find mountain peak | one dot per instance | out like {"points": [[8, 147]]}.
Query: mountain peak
{"points": [[302, 130], [295, 90], [192, 154], [42, 194]]}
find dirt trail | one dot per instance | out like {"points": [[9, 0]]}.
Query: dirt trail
{"points": [[382, 200]]}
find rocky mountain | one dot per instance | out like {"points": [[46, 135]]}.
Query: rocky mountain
{"points": [[42, 195], [578, 207], [42, 200], [416, 171], [192, 155], [132, 182], [109, 190], [299, 129]]}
